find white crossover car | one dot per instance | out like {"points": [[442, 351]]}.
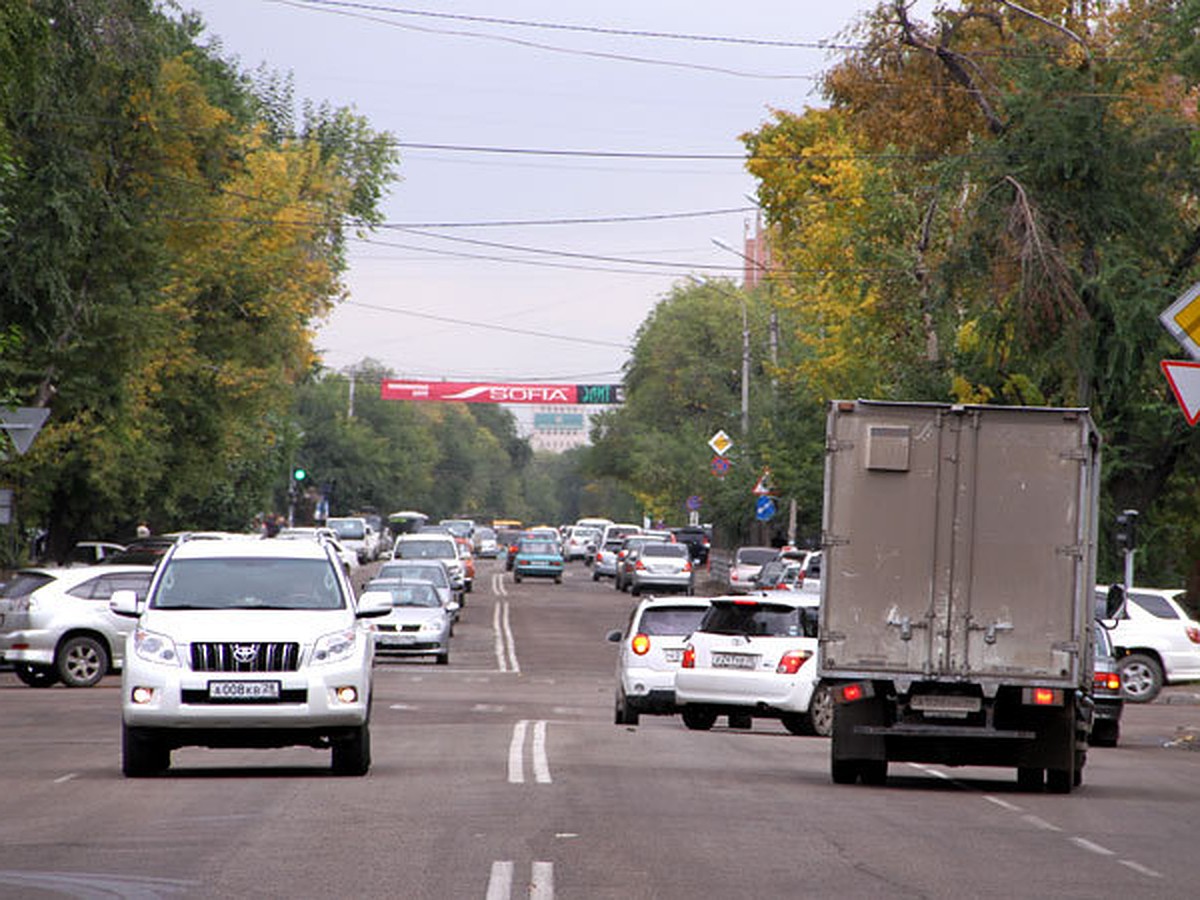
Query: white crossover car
{"points": [[248, 644], [751, 656]]}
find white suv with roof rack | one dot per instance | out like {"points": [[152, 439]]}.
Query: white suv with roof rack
{"points": [[247, 644], [1156, 641]]}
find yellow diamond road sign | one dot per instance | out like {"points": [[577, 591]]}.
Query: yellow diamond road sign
{"points": [[720, 443], [1182, 320]]}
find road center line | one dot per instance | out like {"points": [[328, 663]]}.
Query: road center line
{"points": [[500, 883], [1091, 846], [62, 779], [541, 765], [516, 749]]}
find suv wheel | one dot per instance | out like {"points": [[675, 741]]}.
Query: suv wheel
{"points": [[698, 719], [36, 676], [1141, 677], [624, 715], [82, 661], [352, 754], [142, 754]]}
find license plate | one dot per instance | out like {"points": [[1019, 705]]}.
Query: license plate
{"points": [[734, 661], [243, 690], [673, 655], [945, 705]]}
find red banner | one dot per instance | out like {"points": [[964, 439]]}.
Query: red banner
{"points": [[486, 392]]}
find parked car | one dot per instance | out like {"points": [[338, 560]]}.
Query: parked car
{"points": [[419, 623], [751, 657], [1106, 692], [433, 546], [661, 566], [651, 646], [55, 624], [247, 644], [539, 559], [744, 566], [1156, 641], [605, 563]]}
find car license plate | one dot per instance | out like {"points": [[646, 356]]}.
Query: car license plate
{"points": [[673, 655], [733, 661], [243, 690]]}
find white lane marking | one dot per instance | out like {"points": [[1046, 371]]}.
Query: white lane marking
{"points": [[401, 706], [516, 748], [1140, 869], [541, 884], [1003, 804], [500, 883], [541, 881], [498, 586], [1091, 846], [501, 660], [87, 886], [538, 759], [62, 779], [541, 765], [1039, 822], [513, 665], [488, 707]]}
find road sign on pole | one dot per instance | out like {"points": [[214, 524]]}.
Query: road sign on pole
{"points": [[719, 466], [23, 424], [1182, 320], [1184, 378], [764, 509], [720, 442]]}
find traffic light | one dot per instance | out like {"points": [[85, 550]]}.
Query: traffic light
{"points": [[298, 474], [1127, 530]]}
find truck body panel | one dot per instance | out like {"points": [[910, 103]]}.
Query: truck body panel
{"points": [[959, 558]]}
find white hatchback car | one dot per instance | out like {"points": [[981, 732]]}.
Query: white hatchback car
{"points": [[248, 644], [751, 656], [651, 647], [1155, 640]]}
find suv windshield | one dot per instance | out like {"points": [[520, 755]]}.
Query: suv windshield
{"points": [[250, 583], [761, 620]]}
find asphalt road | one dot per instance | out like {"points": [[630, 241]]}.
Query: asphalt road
{"points": [[502, 775]]}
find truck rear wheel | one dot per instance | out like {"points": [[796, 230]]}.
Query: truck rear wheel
{"points": [[843, 771], [1030, 779], [1060, 781]]}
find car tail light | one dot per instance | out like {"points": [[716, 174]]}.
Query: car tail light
{"points": [[790, 662], [640, 644], [1193, 634], [1107, 680], [687, 566], [688, 660], [733, 576], [640, 566]]}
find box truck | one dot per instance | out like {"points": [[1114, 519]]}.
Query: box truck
{"points": [[956, 603]]}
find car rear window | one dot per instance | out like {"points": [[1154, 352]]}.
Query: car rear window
{"points": [[679, 550], [761, 620], [1155, 605], [755, 556], [434, 574], [544, 547], [426, 550], [350, 529], [24, 583], [670, 620]]}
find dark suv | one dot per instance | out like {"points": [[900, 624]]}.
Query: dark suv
{"points": [[698, 540]]}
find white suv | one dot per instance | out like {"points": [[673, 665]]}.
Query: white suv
{"points": [[1156, 642], [751, 656], [247, 644]]}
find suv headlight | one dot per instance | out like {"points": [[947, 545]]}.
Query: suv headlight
{"points": [[335, 647], [155, 648]]}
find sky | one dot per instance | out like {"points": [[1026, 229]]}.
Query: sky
{"points": [[517, 118]]}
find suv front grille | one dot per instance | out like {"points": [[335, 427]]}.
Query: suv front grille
{"points": [[245, 657]]}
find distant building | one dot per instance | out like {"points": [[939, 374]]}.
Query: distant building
{"points": [[559, 428], [756, 255]]}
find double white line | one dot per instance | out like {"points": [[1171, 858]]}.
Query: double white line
{"points": [[506, 648], [516, 753], [541, 881]]}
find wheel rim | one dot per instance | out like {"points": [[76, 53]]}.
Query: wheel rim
{"points": [[1138, 680], [821, 710], [83, 663]]}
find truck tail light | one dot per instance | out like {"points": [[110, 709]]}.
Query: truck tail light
{"points": [[853, 692], [1040, 696], [640, 644], [688, 660], [790, 662]]}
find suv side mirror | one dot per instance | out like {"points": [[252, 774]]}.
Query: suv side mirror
{"points": [[1114, 603], [613, 636], [125, 602], [374, 604]]}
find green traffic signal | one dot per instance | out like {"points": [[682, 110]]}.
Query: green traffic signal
{"points": [[299, 474]]}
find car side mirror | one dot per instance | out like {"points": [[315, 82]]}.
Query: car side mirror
{"points": [[1114, 603], [452, 607], [614, 636], [374, 604], [125, 602]]}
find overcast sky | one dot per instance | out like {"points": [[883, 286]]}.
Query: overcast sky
{"points": [[445, 291]]}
